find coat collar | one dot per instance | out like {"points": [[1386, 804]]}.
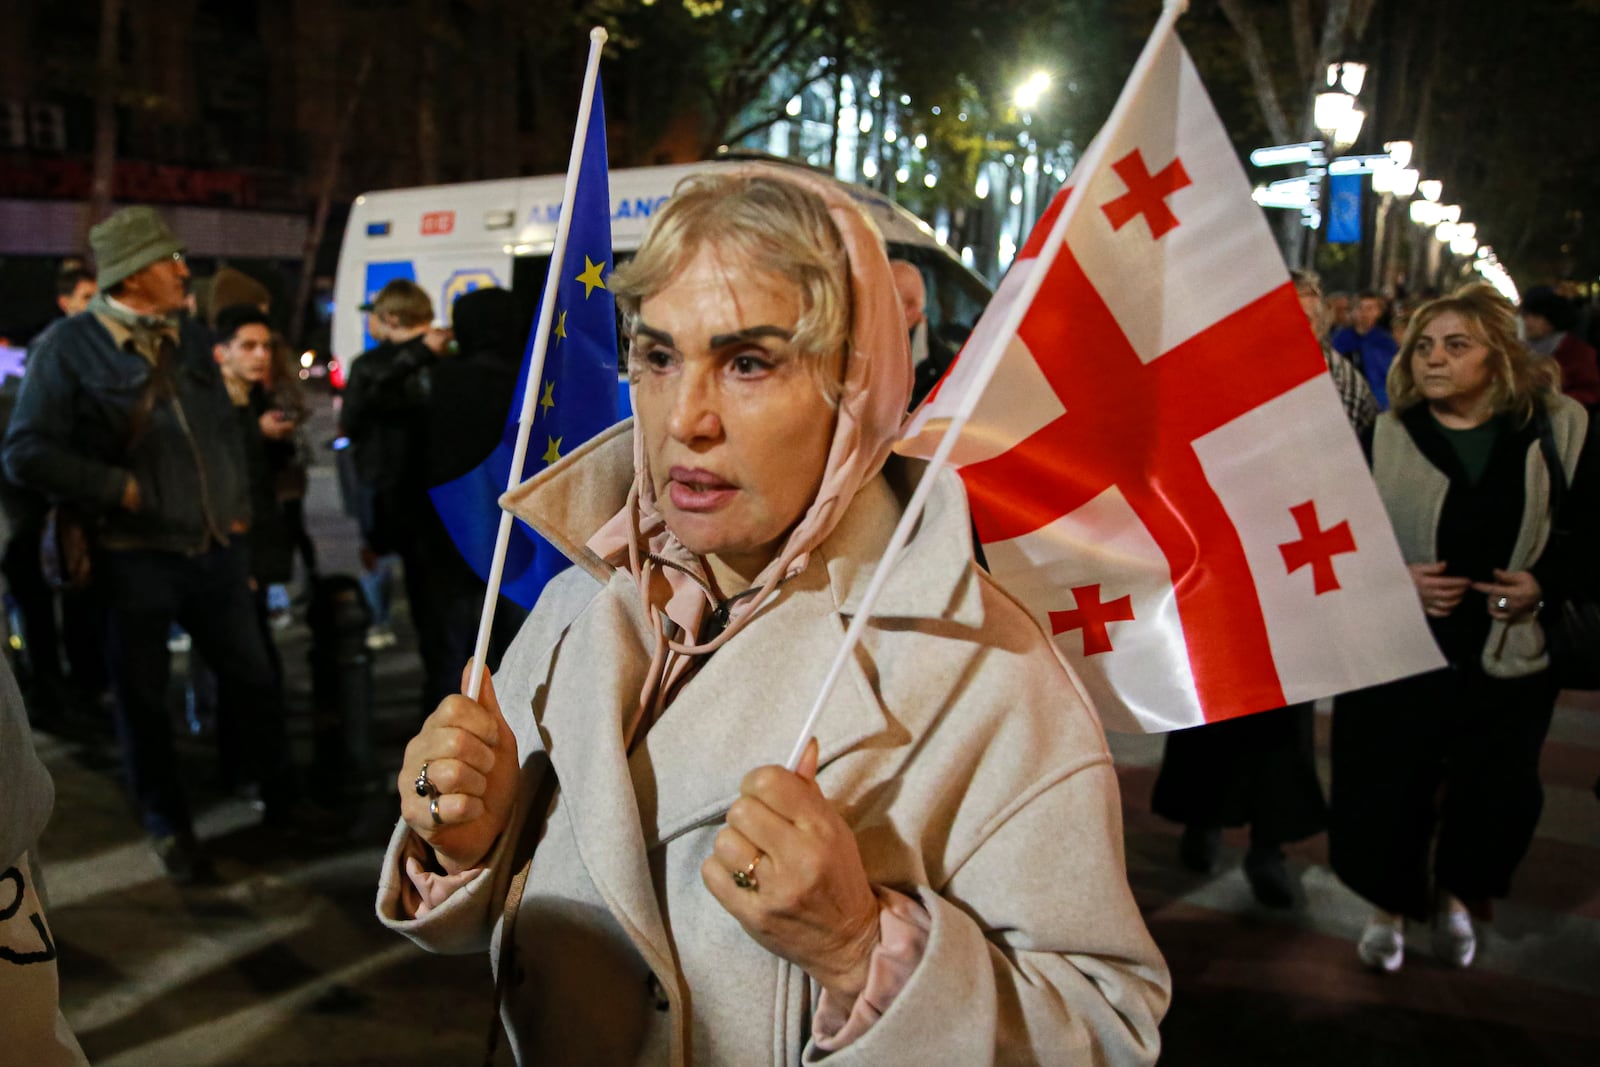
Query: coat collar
{"points": [[570, 500], [737, 712]]}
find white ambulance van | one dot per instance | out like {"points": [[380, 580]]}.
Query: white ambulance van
{"points": [[451, 239]]}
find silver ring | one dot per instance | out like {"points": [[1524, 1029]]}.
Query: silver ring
{"points": [[1503, 603], [425, 788], [433, 809]]}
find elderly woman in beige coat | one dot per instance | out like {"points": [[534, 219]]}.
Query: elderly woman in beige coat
{"points": [[941, 878]]}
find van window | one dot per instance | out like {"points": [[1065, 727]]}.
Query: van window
{"points": [[956, 297], [527, 287]]}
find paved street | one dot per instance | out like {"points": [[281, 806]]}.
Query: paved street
{"points": [[285, 965]]}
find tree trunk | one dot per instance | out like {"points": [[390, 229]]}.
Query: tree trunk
{"points": [[325, 190], [1255, 61], [105, 117]]}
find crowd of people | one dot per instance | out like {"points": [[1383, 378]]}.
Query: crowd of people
{"points": [[593, 813], [1471, 420], [155, 472]]}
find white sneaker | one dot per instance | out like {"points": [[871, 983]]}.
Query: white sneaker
{"points": [[1383, 945], [1454, 940]]}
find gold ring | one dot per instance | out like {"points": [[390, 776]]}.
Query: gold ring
{"points": [[746, 879]]}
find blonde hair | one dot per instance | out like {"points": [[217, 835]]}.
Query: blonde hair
{"points": [[406, 302], [768, 225], [1518, 381]]}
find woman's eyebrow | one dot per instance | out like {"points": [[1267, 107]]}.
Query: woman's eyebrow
{"points": [[654, 334], [751, 333]]}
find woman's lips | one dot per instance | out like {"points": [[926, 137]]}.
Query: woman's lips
{"points": [[692, 489]]}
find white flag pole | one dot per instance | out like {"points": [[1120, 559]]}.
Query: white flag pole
{"points": [[989, 362], [541, 342]]}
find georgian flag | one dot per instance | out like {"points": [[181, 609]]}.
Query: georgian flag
{"points": [[1160, 468]]}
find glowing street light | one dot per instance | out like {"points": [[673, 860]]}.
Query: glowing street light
{"points": [[1349, 76], [1028, 94], [1425, 213], [1330, 110], [1431, 189], [1348, 130], [1404, 182]]}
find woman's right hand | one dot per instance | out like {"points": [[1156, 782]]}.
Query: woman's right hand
{"points": [[471, 755], [1440, 595]]}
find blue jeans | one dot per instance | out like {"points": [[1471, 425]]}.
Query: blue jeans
{"points": [[209, 596], [378, 586]]}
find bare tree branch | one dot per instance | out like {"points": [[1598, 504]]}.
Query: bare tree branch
{"points": [[1300, 29], [1255, 61], [1333, 39], [1359, 17]]}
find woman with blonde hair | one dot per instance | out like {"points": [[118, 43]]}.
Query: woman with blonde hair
{"points": [[939, 880], [1436, 792]]}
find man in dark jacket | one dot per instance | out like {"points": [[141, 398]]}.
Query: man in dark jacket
{"points": [[386, 415], [123, 417]]}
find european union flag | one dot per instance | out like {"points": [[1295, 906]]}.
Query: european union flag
{"points": [[577, 395]]}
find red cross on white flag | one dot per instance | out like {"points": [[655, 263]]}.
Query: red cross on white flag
{"points": [[1160, 469]]}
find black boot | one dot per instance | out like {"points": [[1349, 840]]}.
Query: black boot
{"points": [[1269, 877], [1199, 846]]}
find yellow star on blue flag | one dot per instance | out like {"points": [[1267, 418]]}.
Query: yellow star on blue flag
{"points": [[591, 276]]}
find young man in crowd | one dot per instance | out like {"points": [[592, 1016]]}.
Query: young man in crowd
{"points": [[1368, 343]]}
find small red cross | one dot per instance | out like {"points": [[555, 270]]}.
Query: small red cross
{"points": [[1091, 617], [1317, 547], [1147, 194]]}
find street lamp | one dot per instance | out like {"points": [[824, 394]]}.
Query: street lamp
{"points": [[1348, 76], [1029, 93], [1027, 97]]}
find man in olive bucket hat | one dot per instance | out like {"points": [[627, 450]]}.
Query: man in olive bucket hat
{"points": [[123, 416]]}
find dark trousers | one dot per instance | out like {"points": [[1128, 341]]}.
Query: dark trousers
{"points": [[446, 600], [1258, 770], [85, 626], [209, 596], [1450, 755], [294, 517]]}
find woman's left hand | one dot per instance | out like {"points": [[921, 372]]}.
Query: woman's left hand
{"points": [[1519, 589], [811, 902]]}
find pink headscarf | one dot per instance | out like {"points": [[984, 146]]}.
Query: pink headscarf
{"points": [[872, 404]]}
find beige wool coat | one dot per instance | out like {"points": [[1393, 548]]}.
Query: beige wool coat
{"points": [[958, 746]]}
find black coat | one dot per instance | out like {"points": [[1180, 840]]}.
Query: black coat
{"points": [[90, 414], [271, 547]]}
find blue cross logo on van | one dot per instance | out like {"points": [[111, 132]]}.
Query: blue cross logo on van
{"points": [[462, 282]]}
